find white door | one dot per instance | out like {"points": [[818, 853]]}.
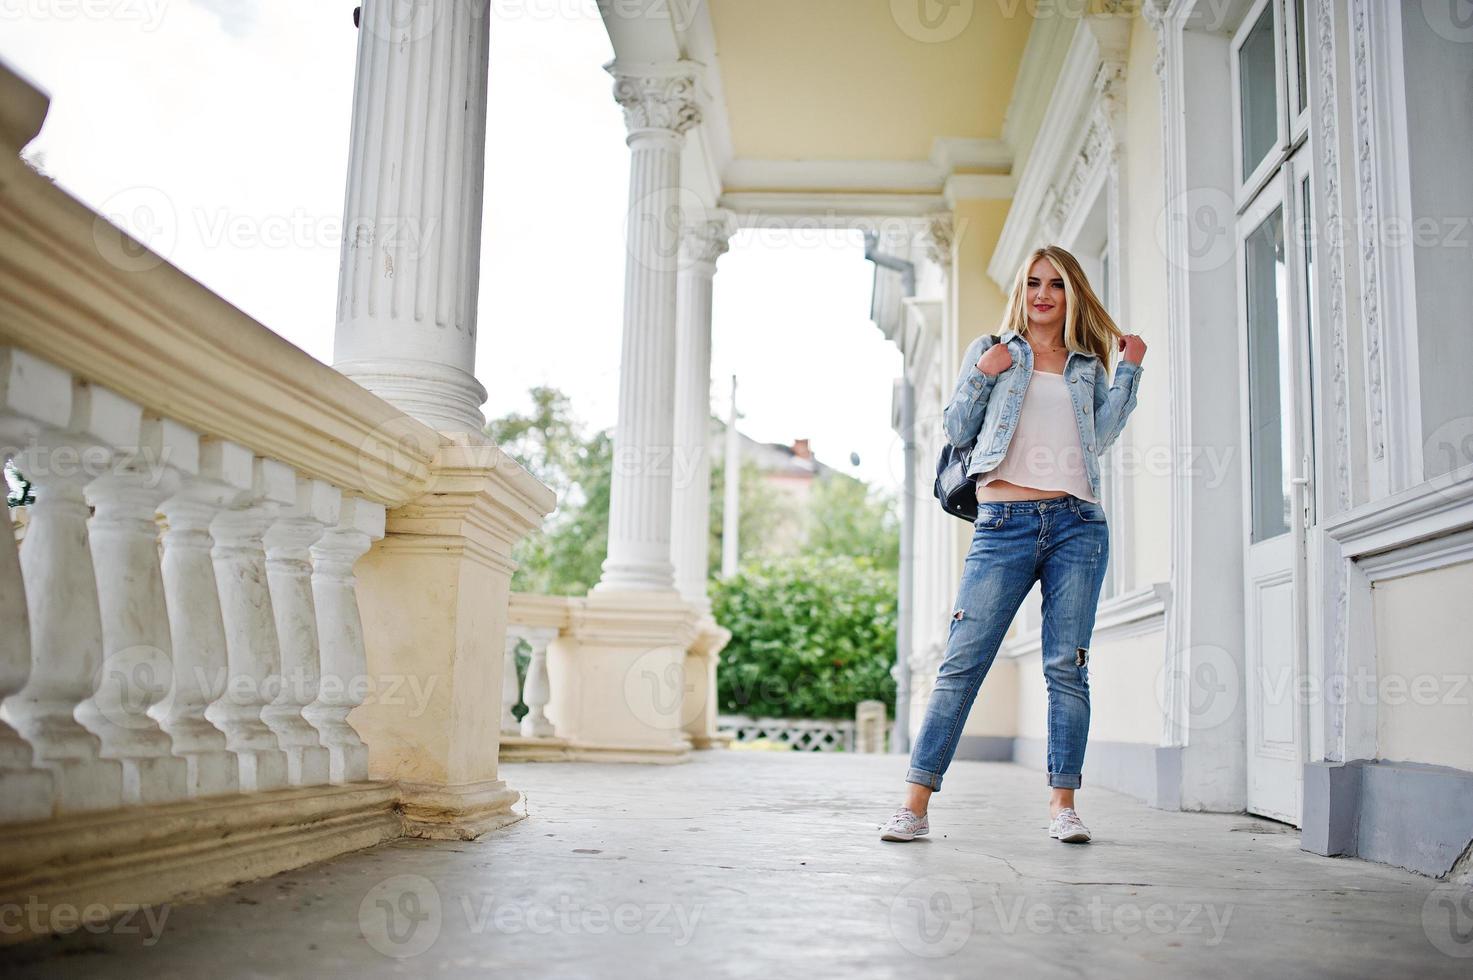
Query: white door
{"points": [[1274, 262]]}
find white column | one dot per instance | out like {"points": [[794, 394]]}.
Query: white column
{"points": [[344, 681], [289, 570], [410, 270], [702, 243], [137, 665], [201, 665], [659, 105], [252, 650]]}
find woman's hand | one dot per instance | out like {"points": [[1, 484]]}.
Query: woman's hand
{"points": [[1133, 348], [995, 360]]}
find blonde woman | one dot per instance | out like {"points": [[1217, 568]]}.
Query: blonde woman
{"points": [[1037, 407]]}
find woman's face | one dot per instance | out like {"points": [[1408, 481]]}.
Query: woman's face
{"points": [[1045, 299]]}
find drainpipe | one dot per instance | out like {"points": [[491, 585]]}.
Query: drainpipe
{"points": [[905, 602]]}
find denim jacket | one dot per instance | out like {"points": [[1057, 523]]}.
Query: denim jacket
{"points": [[986, 408]]}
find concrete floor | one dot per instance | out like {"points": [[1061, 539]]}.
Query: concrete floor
{"points": [[751, 864]]}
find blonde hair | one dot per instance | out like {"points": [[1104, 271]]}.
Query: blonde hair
{"points": [[1088, 327]]}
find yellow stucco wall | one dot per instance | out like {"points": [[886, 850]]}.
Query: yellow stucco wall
{"points": [[864, 79], [1424, 659]]}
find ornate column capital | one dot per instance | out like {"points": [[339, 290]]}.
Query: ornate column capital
{"points": [[657, 96], [939, 236], [706, 238]]}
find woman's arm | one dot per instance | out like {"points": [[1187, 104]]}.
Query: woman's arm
{"points": [[1113, 405], [962, 417]]}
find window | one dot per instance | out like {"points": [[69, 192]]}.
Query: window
{"points": [[1276, 256]]}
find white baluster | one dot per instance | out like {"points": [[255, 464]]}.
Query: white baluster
{"points": [[537, 691], [61, 602], [31, 393], [340, 635], [510, 688], [250, 627], [200, 662], [137, 665], [289, 568]]}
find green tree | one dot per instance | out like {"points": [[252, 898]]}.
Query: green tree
{"points": [[850, 518], [764, 517], [811, 637]]}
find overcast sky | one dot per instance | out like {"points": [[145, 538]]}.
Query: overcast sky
{"points": [[217, 130]]}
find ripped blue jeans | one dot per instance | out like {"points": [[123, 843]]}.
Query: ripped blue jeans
{"points": [[1062, 542]]}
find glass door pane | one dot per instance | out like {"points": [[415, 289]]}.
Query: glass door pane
{"points": [[1269, 376], [1301, 55], [1258, 92]]}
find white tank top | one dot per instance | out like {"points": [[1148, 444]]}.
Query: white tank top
{"points": [[1044, 452]]}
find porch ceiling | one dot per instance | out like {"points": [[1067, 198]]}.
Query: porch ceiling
{"points": [[836, 80]]}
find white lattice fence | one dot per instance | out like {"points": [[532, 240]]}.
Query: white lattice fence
{"points": [[804, 734]]}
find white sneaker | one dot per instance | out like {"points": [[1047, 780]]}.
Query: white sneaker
{"points": [[905, 825], [1068, 828]]}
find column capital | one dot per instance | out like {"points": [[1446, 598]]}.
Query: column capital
{"points": [[706, 238], [657, 96], [939, 235]]}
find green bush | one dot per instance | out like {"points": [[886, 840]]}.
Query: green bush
{"points": [[811, 637]]}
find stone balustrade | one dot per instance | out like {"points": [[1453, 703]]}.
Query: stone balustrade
{"points": [[254, 609]]}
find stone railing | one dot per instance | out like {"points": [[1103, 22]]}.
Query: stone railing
{"points": [[598, 689], [249, 623]]}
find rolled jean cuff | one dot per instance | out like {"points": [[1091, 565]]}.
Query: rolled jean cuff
{"points": [[928, 779], [1065, 780]]}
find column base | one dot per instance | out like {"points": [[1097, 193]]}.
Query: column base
{"points": [[701, 660], [463, 812], [621, 677]]}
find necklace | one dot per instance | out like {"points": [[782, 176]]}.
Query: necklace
{"points": [[1039, 347]]}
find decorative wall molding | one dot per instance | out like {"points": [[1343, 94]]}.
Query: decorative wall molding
{"points": [[1071, 144], [660, 97]]}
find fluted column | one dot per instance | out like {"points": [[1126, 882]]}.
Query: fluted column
{"points": [[138, 663], [251, 646], [702, 243], [660, 105], [289, 571], [201, 665], [410, 269], [344, 663]]}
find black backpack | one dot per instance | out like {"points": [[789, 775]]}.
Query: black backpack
{"points": [[957, 491]]}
